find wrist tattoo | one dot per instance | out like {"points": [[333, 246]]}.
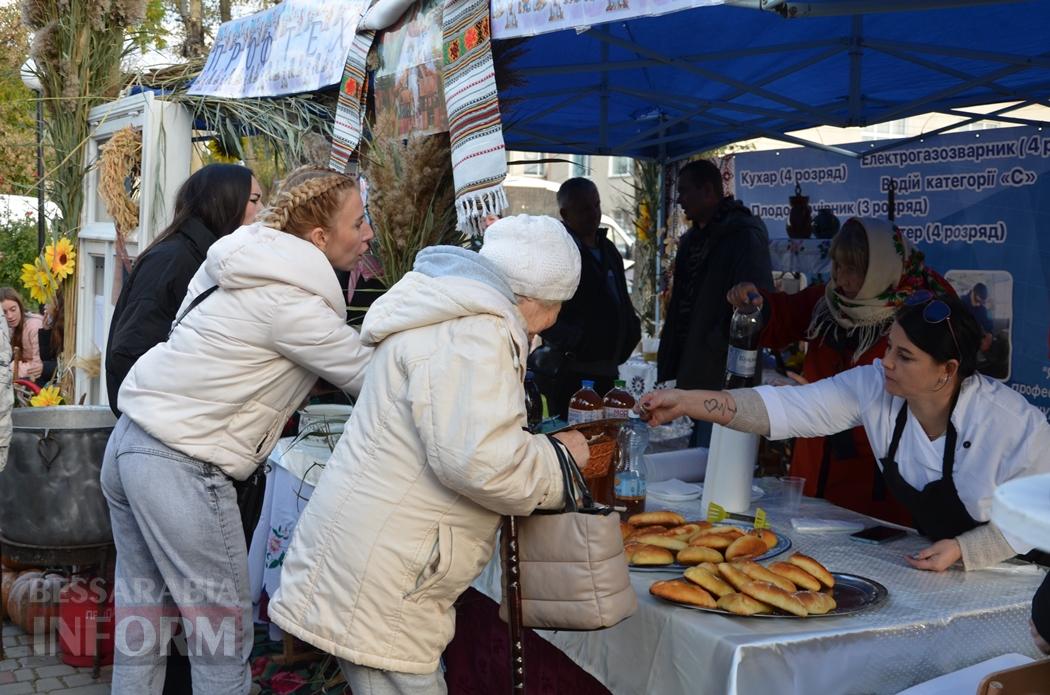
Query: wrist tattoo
{"points": [[719, 406]]}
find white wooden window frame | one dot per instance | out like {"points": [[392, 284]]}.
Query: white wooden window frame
{"points": [[166, 158]]}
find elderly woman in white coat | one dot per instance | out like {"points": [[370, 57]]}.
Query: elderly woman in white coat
{"points": [[263, 317], [406, 512]]}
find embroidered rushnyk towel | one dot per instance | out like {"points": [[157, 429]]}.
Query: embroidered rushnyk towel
{"points": [[346, 133], [479, 158]]}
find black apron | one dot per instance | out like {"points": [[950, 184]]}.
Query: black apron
{"points": [[937, 510]]}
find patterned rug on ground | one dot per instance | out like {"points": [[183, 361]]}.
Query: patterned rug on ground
{"points": [[304, 678]]}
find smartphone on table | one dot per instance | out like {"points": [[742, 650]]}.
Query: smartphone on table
{"points": [[878, 534]]}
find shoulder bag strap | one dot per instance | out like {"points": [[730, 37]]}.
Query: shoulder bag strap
{"points": [[196, 300]]}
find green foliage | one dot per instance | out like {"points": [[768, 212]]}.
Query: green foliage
{"points": [[17, 246], [17, 108]]}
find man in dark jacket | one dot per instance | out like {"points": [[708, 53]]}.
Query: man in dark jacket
{"points": [[725, 246], [598, 328]]}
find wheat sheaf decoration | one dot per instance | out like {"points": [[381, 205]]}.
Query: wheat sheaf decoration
{"points": [[120, 159]]}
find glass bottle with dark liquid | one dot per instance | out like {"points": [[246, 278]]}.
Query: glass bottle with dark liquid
{"points": [[742, 360]]}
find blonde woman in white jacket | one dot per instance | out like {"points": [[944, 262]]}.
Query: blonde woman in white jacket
{"points": [[405, 514], [262, 319]]}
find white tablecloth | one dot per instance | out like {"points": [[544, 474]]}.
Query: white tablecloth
{"points": [[931, 623], [285, 497]]}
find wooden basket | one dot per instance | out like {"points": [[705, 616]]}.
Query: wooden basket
{"points": [[602, 443]]}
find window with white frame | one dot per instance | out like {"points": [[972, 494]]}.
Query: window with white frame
{"points": [[620, 166], [885, 131], [581, 165], [533, 167]]}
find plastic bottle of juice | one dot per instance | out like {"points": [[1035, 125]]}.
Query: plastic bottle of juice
{"points": [[618, 403], [585, 405]]}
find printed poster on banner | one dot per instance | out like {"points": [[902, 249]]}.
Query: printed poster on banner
{"points": [[976, 203], [296, 46], [408, 79], [512, 18]]}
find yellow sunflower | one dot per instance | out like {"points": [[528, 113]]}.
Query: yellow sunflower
{"points": [[60, 258], [48, 396], [39, 281]]}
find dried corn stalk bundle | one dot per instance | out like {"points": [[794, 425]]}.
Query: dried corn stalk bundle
{"points": [[411, 199]]}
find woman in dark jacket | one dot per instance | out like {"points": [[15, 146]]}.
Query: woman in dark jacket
{"points": [[211, 203]]}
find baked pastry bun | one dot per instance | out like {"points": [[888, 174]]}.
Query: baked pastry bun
{"points": [[641, 554], [767, 536], [776, 597], [741, 604], [815, 602], [682, 592], [760, 574], [664, 518], [737, 579], [746, 548], [814, 568], [718, 541], [710, 582], [660, 541], [696, 554], [797, 575]]}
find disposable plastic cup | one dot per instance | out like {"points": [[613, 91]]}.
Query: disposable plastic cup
{"points": [[792, 492]]}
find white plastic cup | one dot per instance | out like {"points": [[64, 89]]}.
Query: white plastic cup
{"points": [[792, 492], [650, 348]]}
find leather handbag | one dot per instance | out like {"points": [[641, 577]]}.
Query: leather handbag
{"points": [[571, 569]]}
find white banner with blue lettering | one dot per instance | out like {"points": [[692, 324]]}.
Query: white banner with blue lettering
{"points": [[296, 46], [977, 203]]}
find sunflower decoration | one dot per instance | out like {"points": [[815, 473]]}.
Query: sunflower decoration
{"points": [[38, 279], [48, 396], [60, 258]]}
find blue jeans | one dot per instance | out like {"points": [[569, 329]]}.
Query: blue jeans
{"points": [[372, 681], [181, 562]]}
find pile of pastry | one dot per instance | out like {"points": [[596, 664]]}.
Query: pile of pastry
{"points": [[801, 586], [664, 538]]}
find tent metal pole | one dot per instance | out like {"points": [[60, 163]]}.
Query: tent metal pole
{"points": [[794, 9], [661, 221], [545, 70], [1041, 60], [835, 50], [916, 106], [947, 70], [1003, 119], [856, 52], [942, 129], [713, 75]]}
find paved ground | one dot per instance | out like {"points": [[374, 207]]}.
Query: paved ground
{"points": [[22, 671]]}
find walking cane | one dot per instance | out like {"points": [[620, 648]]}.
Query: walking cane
{"points": [[512, 590]]}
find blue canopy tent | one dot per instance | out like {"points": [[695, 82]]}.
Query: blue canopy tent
{"points": [[669, 86]]}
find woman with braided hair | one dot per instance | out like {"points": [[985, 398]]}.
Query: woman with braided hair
{"points": [[263, 318]]}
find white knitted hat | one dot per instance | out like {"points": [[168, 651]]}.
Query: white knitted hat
{"points": [[536, 256]]}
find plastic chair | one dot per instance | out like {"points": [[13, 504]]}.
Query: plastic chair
{"points": [[1029, 679]]}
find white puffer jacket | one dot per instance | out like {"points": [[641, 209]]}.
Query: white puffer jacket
{"points": [[7, 394], [240, 362], [405, 514]]}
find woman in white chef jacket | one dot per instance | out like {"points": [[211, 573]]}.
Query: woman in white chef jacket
{"points": [[945, 436]]}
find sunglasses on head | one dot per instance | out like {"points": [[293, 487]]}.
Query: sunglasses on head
{"points": [[935, 311]]}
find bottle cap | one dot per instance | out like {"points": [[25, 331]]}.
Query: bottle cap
{"points": [[587, 384], [619, 383]]}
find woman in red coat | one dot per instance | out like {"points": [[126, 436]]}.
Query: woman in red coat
{"points": [[844, 323]]}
